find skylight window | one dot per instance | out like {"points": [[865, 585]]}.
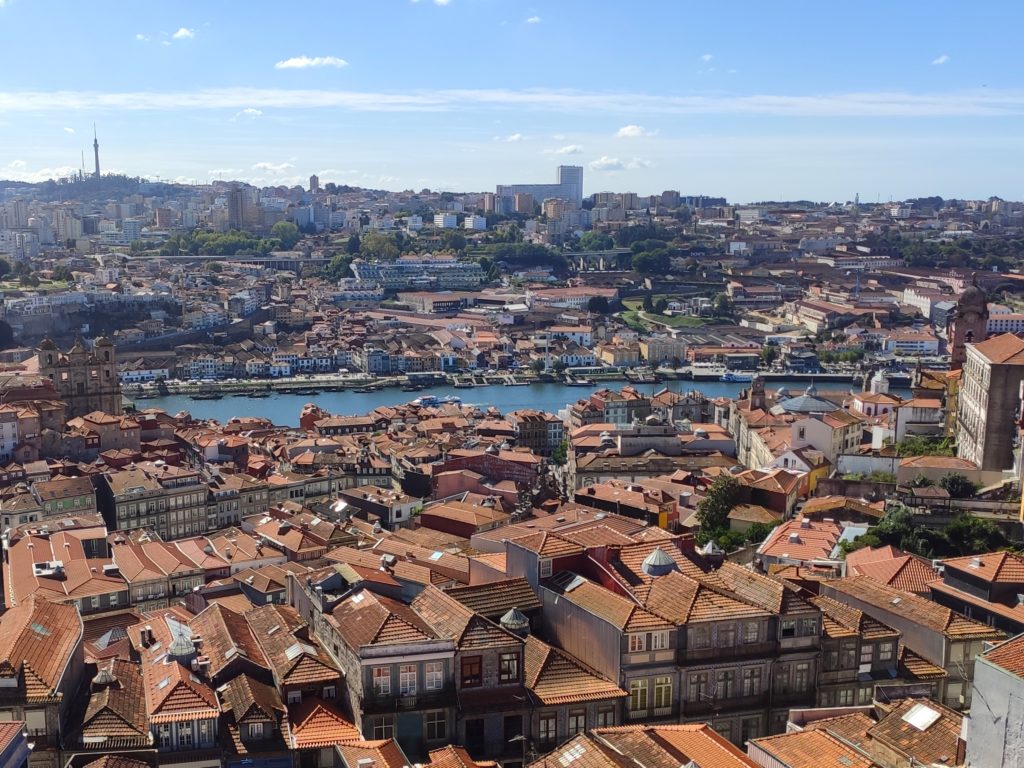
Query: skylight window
{"points": [[40, 630], [921, 716]]}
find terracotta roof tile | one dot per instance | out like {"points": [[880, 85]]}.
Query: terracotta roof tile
{"points": [[225, 636], [914, 608], [294, 659], [452, 620], [852, 728], [696, 743], [365, 618], [993, 567], [810, 749], [1009, 655], [934, 744], [496, 598], [118, 710], [555, 677], [618, 611], [316, 723], [385, 754], [37, 641]]}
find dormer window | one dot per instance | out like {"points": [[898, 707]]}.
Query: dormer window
{"points": [[545, 568]]}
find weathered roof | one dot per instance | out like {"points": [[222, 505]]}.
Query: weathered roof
{"points": [[555, 677]]}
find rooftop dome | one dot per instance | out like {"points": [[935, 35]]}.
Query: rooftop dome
{"points": [[104, 678], [658, 563], [515, 621], [181, 647]]}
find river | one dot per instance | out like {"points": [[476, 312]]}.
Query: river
{"points": [[284, 409]]}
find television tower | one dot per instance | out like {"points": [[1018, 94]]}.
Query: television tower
{"points": [[96, 152]]}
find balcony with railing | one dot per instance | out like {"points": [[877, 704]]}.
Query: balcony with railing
{"points": [[376, 703], [767, 649]]}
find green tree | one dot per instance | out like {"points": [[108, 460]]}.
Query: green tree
{"points": [[353, 245], [769, 354], [215, 266], [340, 266], [561, 454], [287, 233], [661, 305], [652, 262], [921, 445], [598, 305], [970, 535], [537, 366], [5, 267], [63, 274], [958, 486], [758, 532], [596, 241], [713, 510], [6, 335], [648, 303], [559, 366], [376, 245], [723, 307]]}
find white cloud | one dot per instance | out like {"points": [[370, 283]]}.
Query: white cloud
{"points": [[988, 102], [272, 167], [184, 33], [533, 20], [511, 138], [142, 38], [222, 171], [69, 130], [605, 163], [308, 62], [17, 164], [633, 132], [706, 58], [611, 164], [249, 113], [18, 171], [941, 59], [442, 2], [569, 149]]}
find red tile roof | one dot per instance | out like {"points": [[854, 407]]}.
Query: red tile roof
{"points": [[555, 677], [316, 723]]}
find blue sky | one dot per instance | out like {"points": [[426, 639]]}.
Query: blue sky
{"points": [[749, 100]]}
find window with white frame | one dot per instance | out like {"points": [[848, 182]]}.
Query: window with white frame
{"points": [[662, 692], [508, 668], [407, 680], [545, 568], [751, 632], [164, 734], [638, 695], [885, 651], [185, 734], [255, 730], [384, 728], [605, 717], [433, 675], [659, 641], [382, 681], [637, 642]]}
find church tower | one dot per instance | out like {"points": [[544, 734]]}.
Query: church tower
{"points": [[86, 380], [969, 324]]}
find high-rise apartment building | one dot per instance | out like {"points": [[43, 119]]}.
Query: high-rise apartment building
{"points": [[568, 186], [988, 399], [314, 184]]}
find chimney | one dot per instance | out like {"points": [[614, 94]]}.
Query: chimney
{"points": [[975, 562], [364, 762], [805, 522], [197, 642]]}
